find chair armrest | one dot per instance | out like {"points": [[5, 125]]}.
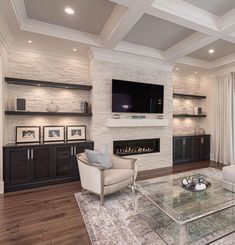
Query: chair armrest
{"points": [[92, 177], [123, 163]]}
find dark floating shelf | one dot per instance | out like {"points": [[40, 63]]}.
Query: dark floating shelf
{"points": [[188, 115], [188, 96], [27, 82], [35, 113]]}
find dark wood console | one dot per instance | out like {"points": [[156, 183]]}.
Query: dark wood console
{"points": [[35, 165], [190, 148]]}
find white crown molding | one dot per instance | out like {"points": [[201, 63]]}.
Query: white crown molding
{"points": [[5, 34], [126, 58]]}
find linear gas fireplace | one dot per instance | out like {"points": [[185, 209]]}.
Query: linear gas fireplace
{"points": [[132, 147]]}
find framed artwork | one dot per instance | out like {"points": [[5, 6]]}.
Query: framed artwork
{"points": [[53, 133], [76, 132], [28, 134]]}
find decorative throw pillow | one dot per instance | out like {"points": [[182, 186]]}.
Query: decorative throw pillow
{"points": [[101, 159]]}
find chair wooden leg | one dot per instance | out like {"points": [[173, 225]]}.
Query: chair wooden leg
{"points": [[83, 191], [102, 199]]}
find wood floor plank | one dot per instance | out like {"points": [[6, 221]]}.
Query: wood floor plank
{"points": [[50, 215]]}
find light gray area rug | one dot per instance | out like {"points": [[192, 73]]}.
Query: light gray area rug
{"points": [[117, 223]]}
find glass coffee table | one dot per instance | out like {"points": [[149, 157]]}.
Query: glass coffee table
{"points": [[182, 217]]}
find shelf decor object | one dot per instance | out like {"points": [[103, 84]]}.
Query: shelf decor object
{"points": [[188, 96], [29, 134], [28, 82], [76, 133], [127, 123], [53, 133]]}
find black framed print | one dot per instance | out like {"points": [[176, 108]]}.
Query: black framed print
{"points": [[76, 132], [28, 134], [53, 133]]}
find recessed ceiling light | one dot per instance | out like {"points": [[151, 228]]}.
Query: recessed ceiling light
{"points": [[196, 72], [29, 41], [74, 50], [69, 10], [211, 51], [177, 68]]}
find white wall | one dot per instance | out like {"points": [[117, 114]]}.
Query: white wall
{"points": [[48, 67], [3, 68], [102, 73], [187, 85]]}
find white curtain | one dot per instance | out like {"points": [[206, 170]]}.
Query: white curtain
{"points": [[224, 119]]}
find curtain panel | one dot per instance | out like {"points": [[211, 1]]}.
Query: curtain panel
{"points": [[225, 119]]}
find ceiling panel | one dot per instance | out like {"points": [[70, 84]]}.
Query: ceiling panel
{"points": [[90, 16], [156, 33], [217, 7], [222, 48]]}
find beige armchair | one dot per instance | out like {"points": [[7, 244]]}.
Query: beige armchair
{"points": [[102, 181]]}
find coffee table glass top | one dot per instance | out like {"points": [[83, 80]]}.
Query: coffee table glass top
{"points": [[182, 205]]}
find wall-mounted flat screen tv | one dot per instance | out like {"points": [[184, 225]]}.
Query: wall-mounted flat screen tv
{"points": [[137, 97]]}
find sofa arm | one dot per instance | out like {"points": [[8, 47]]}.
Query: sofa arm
{"points": [[123, 163], [92, 177]]}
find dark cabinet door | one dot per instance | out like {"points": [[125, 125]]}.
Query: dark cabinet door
{"points": [[178, 149], [17, 166], [41, 163], [197, 148], [63, 161], [206, 147]]}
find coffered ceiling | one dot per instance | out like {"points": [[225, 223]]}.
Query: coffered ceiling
{"points": [[179, 31], [90, 16], [217, 7]]}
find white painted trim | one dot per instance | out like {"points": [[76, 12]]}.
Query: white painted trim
{"points": [[1, 187], [124, 58], [127, 123]]}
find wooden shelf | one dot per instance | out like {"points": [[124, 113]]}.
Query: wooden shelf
{"points": [[40, 113], [188, 115], [38, 83], [188, 96]]}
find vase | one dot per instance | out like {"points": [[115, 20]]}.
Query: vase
{"points": [[52, 107]]}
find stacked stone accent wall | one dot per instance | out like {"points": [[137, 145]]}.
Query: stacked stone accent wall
{"points": [[102, 73]]}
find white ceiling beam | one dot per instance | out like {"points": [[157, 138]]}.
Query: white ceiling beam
{"points": [[188, 45], [194, 62], [183, 14], [122, 21], [139, 50]]}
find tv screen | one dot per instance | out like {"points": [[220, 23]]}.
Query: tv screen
{"points": [[137, 97]]}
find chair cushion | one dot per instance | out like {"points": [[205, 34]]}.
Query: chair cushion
{"points": [[229, 173], [114, 176], [99, 158]]}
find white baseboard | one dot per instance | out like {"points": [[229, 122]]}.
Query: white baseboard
{"points": [[1, 187]]}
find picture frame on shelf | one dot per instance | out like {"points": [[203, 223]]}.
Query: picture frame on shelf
{"points": [[28, 134], [53, 133], [76, 132]]}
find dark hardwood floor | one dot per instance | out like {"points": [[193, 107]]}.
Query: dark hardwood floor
{"points": [[50, 215]]}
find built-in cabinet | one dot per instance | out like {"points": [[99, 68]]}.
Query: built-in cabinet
{"points": [[27, 166], [191, 148]]}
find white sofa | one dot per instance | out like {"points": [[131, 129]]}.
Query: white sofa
{"points": [[229, 177], [102, 181]]}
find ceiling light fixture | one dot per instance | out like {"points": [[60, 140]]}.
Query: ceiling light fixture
{"points": [[211, 51], [29, 41], [69, 10], [74, 50], [177, 68], [196, 72]]}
